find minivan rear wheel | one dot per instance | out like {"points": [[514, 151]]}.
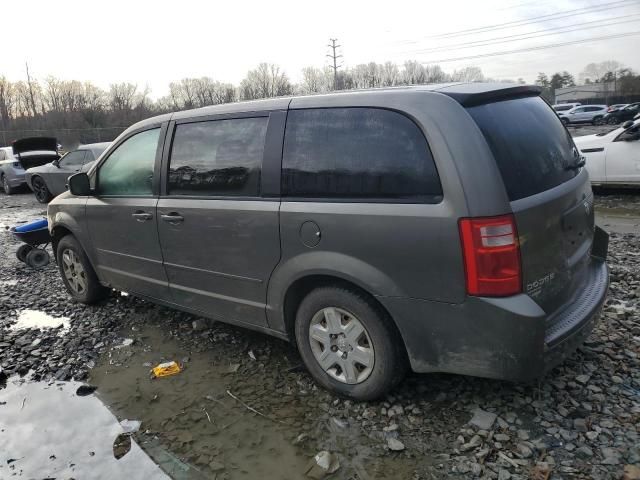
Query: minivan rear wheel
{"points": [[348, 344], [78, 275]]}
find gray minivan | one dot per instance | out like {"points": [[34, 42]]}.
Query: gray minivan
{"points": [[442, 228]]}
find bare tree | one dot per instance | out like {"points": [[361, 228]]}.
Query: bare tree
{"points": [[265, 81], [314, 80], [34, 91], [435, 74], [390, 74], [413, 73], [121, 96], [7, 98], [594, 72], [467, 74]]}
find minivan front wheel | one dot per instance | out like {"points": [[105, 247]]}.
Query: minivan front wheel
{"points": [[347, 343], [78, 275]]}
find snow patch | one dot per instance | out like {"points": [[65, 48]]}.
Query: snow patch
{"points": [[38, 319]]}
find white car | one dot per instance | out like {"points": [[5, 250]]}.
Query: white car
{"points": [[613, 158]]}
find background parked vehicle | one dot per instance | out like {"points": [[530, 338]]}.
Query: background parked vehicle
{"points": [[613, 158], [616, 106], [278, 215], [623, 114], [22, 155], [565, 107], [50, 180], [584, 114]]}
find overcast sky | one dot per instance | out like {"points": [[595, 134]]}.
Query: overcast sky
{"points": [[154, 42]]}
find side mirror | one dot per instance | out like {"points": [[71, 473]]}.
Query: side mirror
{"points": [[79, 185], [627, 124], [56, 163]]}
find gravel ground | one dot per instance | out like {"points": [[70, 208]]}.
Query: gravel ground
{"points": [[581, 421]]}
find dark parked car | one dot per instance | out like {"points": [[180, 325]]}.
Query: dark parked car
{"points": [[50, 180], [444, 228], [623, 114]]}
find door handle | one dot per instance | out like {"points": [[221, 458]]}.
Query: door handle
{"points": [[173, 218], [141, 216]]}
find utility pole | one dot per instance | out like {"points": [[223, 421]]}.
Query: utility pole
{"points": [[334, 57]]}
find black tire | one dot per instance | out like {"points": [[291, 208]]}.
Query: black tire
{"points": [[23, 250], [565, 121], [40, 190], [37, 258], [597, 121], [389, 365], [612, 121], [93, 290], [8, 189]]}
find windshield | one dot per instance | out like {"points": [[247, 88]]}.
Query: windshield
{"points": [[532, 148]]}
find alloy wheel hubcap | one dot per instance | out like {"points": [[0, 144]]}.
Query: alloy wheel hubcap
{"points": [[341, 345], [74, 271]]}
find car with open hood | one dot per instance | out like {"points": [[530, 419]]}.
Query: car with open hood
{"points": [[22, 155], [50, 180], [613, 158]]}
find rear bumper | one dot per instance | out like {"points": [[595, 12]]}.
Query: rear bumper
{"points": [[504, 338]]}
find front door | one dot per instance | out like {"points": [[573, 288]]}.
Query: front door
{"points": [[623, 158], [122, 217], [220, 238], [68, 165]]}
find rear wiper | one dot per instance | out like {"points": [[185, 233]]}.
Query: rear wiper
{"points": [[581, 163]]}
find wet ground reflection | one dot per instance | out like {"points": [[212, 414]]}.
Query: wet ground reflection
{"points": [[47, 431]]}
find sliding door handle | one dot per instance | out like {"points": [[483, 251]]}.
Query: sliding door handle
{"points": [[141, 216], [172, 217]]}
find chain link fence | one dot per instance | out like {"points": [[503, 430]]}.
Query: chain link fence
{"points": [[70, 138]]}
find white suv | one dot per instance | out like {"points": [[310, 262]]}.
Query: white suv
{"points": [[565, 107], [584, 114]]}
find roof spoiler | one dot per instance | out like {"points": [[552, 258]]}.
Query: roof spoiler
{"points": [[48, 144], [471, 94]]}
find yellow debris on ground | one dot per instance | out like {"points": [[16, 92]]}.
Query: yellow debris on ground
{"points": [[165, 369]]}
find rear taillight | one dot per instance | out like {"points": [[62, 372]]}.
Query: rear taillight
{"points": [[491, 256]]}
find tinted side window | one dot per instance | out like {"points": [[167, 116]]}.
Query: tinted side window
{"points": [[73, 158], [219, 157], [531, 146], [357, 153], [129, 168]]}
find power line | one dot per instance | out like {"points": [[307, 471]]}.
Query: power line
{"points": [[334, 57], [530, 20], [530, 49], [529, 35]]}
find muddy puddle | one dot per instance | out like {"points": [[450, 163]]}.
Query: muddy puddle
{"points": [[618, 212], [226, 419], [47, 431]]}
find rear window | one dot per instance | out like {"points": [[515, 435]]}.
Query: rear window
{"points": [[531, 146]]}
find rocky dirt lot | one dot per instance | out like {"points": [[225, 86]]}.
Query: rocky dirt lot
{"points": [[243, 406]]}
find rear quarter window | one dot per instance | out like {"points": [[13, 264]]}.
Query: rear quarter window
{"points": [[532, 149]]}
